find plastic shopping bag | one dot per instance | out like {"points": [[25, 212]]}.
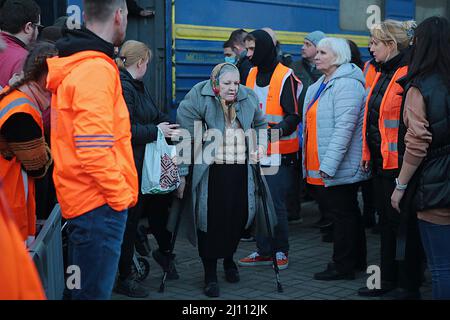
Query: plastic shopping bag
{"points": [[160, 173]]}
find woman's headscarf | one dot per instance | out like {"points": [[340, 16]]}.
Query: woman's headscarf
{"points": [[228, 109]]}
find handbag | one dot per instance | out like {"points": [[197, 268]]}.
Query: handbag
{"points": [[160, 173]]}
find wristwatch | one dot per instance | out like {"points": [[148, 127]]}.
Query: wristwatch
{"points": [[400, 186]]}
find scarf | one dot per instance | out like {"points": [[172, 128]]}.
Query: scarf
{"points": [[41, 97]]}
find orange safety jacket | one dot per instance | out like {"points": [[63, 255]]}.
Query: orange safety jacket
{"points": [[370, 73], [312, 162], [19, 279], [18, 188], [274, 112], [90, 135], [389, 120]]}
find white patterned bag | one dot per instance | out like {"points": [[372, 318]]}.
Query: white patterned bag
{"points": [[160, 173]]}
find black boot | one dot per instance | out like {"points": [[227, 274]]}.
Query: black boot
{"points": [[131, 287], [231, 271], [212, 289]]}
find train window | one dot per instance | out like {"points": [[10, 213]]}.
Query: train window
{"points": [[428, 8], [356, 15]]}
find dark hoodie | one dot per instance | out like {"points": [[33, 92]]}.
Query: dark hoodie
{"points": [[74, 41], [265, 58]]}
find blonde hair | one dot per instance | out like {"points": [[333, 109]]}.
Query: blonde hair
{"points": [[132, 52], [400, 32]]}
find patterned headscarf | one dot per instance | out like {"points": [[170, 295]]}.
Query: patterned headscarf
{"points": [[228, 109]]}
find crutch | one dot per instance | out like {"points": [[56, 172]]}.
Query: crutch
{"points": [[179, 203], [269, 228]]}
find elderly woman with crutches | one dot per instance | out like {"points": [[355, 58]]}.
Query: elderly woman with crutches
{"points": [[221, 199]]}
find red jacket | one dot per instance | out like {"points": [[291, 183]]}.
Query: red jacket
{"points": [[12, 58]]}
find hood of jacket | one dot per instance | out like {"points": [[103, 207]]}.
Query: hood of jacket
{"points": [[77, 47], [347, 70], [75, 41]]}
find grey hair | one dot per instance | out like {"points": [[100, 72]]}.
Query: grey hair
{"points": [[339, 47]]}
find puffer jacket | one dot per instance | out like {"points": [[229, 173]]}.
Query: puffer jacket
{"points": [[340, 115]]}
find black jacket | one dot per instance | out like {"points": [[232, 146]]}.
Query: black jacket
{"points": [[432, 178], [387, 70], [144, 116]]}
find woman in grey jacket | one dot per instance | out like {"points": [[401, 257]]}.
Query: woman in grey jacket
{"points": [[222, 194], [332, 146]]}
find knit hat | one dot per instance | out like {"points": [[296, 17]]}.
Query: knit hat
{"points": [[315, 36]]}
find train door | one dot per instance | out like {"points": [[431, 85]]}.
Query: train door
{"points": [[152, 31]]}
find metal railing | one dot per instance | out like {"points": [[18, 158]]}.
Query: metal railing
{"points": [[47, 254]]}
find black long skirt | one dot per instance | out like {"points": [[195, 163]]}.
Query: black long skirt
{"points": [[227, 211]]}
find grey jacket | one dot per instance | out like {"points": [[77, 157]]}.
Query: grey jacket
{"points": [[340, 117], [200, 104]]}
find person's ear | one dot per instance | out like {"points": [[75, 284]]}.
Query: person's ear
{"points": [[28, 28]]}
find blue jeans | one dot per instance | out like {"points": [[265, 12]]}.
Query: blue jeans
{"points": [[436, 242], [95, 240], [279, 185]]}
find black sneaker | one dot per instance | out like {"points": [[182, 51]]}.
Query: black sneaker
{"points": [[131, 287], [212, 290], [331, 274], [231, 272], [166, 261]]}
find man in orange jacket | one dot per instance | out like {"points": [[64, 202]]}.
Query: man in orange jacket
{"points": [[95, 177]]}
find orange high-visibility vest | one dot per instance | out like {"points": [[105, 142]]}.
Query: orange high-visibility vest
{"points": [[369, 74], [18, 276], [18, 187], [274, 111], [389, 120], [312, 162]]}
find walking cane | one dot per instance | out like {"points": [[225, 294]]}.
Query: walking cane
{"points": [[180, 205], [269, 229]]}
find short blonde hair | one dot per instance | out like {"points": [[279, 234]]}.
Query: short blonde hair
{"points": [[131, 52], [340, 48], [400, 32]]}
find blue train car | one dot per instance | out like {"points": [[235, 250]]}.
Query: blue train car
{"points": [[194, 31]]}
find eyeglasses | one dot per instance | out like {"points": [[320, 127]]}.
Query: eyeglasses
{"points": [[37, 25]]}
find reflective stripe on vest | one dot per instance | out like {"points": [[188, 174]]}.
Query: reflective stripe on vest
{"points": [[16, 103], [274, 111], [25, 184], [389, 120]]}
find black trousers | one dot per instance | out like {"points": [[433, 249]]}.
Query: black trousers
{"points": [[367, 190], [155, 207], [295, 194], [406, 273], [349, 238]]}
